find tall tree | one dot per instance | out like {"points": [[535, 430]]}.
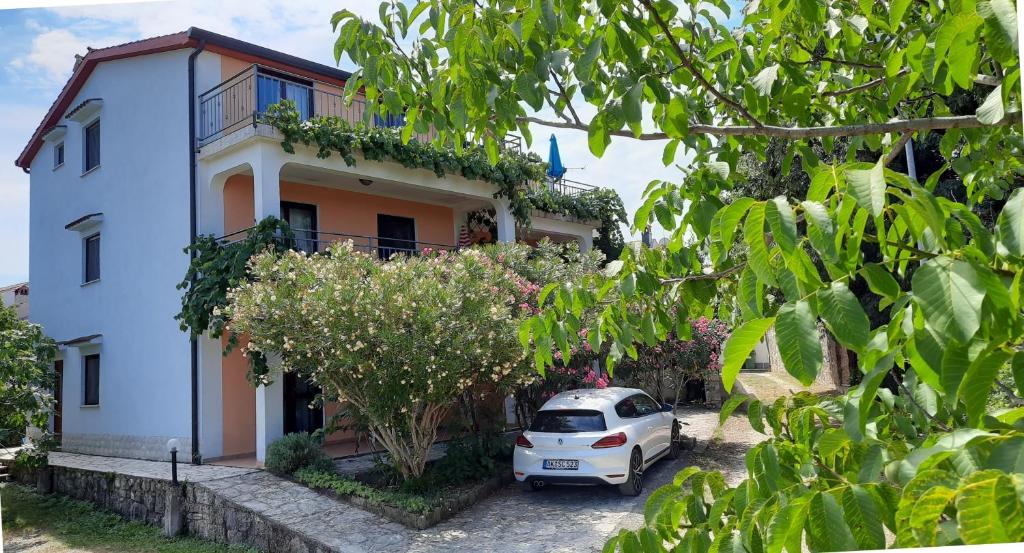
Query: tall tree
{"points": [[928, 463]]}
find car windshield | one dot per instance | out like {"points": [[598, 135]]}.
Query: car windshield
{"points": [[568, 420]]}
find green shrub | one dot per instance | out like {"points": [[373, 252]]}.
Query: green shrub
{"points": [[296, 451], [329, 480], [473, 458]]}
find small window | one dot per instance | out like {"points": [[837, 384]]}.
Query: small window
{"points": [[645, 405], [92, 146], [58, 155], [568, 420], [92, 258], [92, 380]]}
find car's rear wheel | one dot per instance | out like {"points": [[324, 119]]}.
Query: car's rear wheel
{"points": [[635, 484], [675, 448]]}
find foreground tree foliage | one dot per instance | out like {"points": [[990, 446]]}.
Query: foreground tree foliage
{"points": [[920, 462], [26, 376]]}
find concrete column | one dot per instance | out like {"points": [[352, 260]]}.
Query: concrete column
{"points": [[270, 410], [506, 222], [211, 402], [586, 241], [266, 170], [266, 182]]}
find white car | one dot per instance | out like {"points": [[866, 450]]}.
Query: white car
{"points": [[606, 436]]}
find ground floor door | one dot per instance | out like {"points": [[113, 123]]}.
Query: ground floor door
{"points": [[58, 398], [299, 393]]}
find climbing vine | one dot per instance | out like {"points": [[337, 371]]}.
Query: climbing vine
{"points": [[216, 266], [512, 173]]}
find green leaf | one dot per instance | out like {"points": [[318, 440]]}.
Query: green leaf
{"points": [[926, 513], [753, 235], [880, 281], [1011, 224], [989, 510], [528, 88], [949, 293], [731, 215], [728, 407], [787, 526], [1001, 26], [976, 385], [782, 222], [598, 137], [868, 187], [763, 81], [827, 528], [897, 8], [1008, 456], [863, 518], [797, 336], [991, 111], [955, 362], [632, 104], [844, 316], [739, 346], [755, 415]]}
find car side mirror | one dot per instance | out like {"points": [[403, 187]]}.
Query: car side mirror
{"points": [[666, 407]]}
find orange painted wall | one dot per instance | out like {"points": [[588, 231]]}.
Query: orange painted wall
{"points": [[339, 211], [229, 67]]}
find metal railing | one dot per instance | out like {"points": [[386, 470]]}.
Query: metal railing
{"points": [[568, 187], [243, 99], [313, 241]]}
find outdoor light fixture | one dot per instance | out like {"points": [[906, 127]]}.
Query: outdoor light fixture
{"points": [[365, 182], [172, 446]]}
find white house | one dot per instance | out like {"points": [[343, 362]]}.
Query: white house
{"points": [[154, 142], [16, 296]]}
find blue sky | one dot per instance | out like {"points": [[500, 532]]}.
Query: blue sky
{"points": [[37, 55]]}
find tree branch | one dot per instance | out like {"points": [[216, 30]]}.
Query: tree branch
{"points": [[797, 133], [686, 61], [897, 148], [861, 88], [568, 100]]}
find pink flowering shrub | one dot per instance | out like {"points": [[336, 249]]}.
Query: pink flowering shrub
{"points": [[671, 363], [400, 341]]}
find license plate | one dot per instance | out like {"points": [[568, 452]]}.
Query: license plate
{"points": [[561, 464]]}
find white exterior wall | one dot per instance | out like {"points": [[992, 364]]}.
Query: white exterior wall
{"points": [[141, 187]]}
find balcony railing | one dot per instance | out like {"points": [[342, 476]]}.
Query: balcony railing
{"points": [[311, 241], [568, 187], [243, 100]]}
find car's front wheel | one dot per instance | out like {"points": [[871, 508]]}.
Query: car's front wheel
{"points": [[635, 483], [675, 448]]}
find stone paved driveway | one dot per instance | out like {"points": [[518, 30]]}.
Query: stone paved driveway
{"points": [[557, 519], [577, 519]]}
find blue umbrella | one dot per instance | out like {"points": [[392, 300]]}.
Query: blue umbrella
{"points": [[555, 168]]}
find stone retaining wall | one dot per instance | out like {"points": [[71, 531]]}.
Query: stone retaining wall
{"points": [[206, 514], [133, 497]]}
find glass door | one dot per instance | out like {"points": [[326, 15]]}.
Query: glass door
{"points": [[396, 235], [302, 219]]}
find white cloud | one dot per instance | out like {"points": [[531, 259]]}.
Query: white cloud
{"points": [[50, 58]]}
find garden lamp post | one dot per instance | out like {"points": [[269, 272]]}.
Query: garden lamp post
{"points": [[172, 447]]}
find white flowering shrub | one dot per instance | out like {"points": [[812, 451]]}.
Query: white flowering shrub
{"points": [[399, 341]]}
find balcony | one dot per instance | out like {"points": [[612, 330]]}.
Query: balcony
{"points": [[243, 99], [311, 241]]}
